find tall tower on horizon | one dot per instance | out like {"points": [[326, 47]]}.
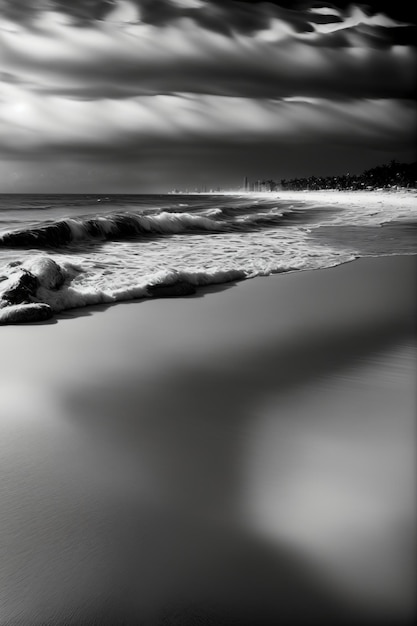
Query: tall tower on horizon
{"points": [[245, 183]]}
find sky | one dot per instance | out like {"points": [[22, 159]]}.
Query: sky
{"points": [[126, 96]]}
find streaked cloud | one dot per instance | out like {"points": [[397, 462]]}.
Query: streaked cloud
{"points": [[103, 76], [114, 59], [38, 122]]}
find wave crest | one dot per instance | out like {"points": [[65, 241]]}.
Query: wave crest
{"points": [[131, 225], [105, 227]]}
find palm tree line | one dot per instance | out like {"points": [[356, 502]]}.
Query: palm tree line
{"points": [[391, 175]]}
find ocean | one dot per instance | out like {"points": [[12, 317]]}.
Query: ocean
{"points": [[109, 248]]}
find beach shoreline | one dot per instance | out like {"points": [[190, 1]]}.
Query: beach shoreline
{"points": [[283, 406], [81, 263], [398, 198], [402, 197], [337, 196]]}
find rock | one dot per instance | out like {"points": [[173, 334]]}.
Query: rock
{"points": [[19, 288], [25, 313], [23, 283], [48, 273], [176, 290]]}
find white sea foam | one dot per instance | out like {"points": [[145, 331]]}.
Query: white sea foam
{"points": [[83, 287], [117, 256]]}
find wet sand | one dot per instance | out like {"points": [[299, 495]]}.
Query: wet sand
{"points": [[244, 455]]}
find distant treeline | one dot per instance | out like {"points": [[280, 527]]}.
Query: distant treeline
{"points": [[391, 175]]}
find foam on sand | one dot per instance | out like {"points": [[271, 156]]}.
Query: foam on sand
{"points": [[40, 287]]}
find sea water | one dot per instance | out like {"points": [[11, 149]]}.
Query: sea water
{"points": [[116, 247]]}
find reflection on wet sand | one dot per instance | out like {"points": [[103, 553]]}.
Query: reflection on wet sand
{"points": [[236, 477]]}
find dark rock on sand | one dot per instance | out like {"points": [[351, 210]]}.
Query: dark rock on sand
{"points": [[25, 313], [18, 292], [20, 288], [49, 273], [181, 288]]}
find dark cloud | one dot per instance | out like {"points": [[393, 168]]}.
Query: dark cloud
{"points": [[219, 16], [402, 10], [59, 125], [19, 10], [155, 81], [84, 10], [81, 10], [368, 37], [246, 16], [162, 167], [351, 62]]}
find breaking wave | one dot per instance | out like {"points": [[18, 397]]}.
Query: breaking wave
{"points": [[120, 226], [155, 249]]}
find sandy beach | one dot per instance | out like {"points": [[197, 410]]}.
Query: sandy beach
{"points": [[248, 451], [396, 198]]}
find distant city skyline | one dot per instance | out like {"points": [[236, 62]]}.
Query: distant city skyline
{"points": [[137, 96]]}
